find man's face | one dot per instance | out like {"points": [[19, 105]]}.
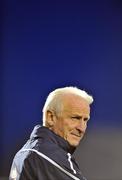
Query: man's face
{"points": [[72, 123]]}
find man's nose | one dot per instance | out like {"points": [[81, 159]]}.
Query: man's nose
{"points": [[82, 125]]}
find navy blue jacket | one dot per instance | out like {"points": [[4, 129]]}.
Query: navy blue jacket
{"points": [[45, 156]]}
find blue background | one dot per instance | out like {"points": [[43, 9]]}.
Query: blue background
{"points": [[50, 44]]}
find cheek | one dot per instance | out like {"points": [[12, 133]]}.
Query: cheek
{"points": [[61, 127], [69, 126], [64, 126]]}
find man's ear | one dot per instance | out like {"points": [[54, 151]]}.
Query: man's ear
{"points": [[50, 118]]}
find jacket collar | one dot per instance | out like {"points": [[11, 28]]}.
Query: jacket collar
{"points": [[48, 135]]}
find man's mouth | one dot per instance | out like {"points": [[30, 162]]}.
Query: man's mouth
{"points": [[77, 135]]}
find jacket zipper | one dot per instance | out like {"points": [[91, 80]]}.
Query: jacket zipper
{"points": [[70, 162]]}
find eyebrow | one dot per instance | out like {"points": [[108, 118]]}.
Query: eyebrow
{"points": [[80, 116]]}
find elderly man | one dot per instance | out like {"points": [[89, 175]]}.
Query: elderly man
{"points": [[47, 155]]}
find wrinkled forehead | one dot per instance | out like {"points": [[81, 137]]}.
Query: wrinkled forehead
{"points": [[75, 102]]}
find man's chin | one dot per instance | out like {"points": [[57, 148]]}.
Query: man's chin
{"points": [[75, 141], [74, 144]]}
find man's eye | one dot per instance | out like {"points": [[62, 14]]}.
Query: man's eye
{"points": [[85, 119], [76, 117]]}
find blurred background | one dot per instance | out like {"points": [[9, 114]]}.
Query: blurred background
{"points": [[50, 44]]}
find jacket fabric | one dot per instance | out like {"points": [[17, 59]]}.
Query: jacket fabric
{"points": [[45, 156]]}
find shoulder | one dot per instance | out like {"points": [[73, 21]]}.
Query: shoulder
{"points": [[28, 165]]}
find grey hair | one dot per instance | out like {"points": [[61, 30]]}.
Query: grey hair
{"points": [[53, 101]]}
